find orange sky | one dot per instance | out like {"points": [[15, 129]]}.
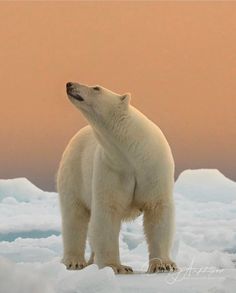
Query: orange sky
{"points": [[178, 59]]}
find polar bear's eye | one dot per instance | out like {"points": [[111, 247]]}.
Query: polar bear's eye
{"points": [[96, 88]]}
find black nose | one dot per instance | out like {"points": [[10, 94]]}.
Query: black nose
{"points": [[69, 84]]}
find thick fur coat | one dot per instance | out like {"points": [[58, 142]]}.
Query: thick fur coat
{"points": [[117, 167]]}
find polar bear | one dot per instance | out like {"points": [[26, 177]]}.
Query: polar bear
{"points": [[117, 167]]}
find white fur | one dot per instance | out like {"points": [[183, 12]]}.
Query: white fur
{"points": [[113, 169]]}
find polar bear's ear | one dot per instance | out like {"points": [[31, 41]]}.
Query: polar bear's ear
{"points": [[126, 98]]}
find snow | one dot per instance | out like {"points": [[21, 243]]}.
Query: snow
{"points": [[19, 188], [204, 248], [205, 185], [15, 280], [24, 208]]}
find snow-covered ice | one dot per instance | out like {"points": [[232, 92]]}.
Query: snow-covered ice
{"points": [[204, 248], [206, 185]]}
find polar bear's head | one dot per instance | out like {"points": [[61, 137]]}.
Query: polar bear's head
{"points": [[96, 102]]}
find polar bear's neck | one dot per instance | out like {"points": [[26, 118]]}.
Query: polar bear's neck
{"points": [[123, 136], [111, 135]]}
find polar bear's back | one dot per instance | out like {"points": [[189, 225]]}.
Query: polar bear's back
{"points": [[76, 167]]}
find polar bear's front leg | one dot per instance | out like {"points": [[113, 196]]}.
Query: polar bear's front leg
{"points": [[105, 228], [75, 218], [112, 193], [159, 230]]}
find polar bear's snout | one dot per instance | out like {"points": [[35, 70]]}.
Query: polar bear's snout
{"points": [[69, 84], [72, 91]]}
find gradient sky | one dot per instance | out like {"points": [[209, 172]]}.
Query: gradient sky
{"points": [[178, 60]]}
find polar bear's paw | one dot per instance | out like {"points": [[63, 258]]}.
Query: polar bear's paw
{"points": [[121, 269], [158, 265], [74, 263]]}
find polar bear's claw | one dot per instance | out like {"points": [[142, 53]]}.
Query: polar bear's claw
{"points": [[161, 266], [74, 263], [77, 266], [121, 269]]}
